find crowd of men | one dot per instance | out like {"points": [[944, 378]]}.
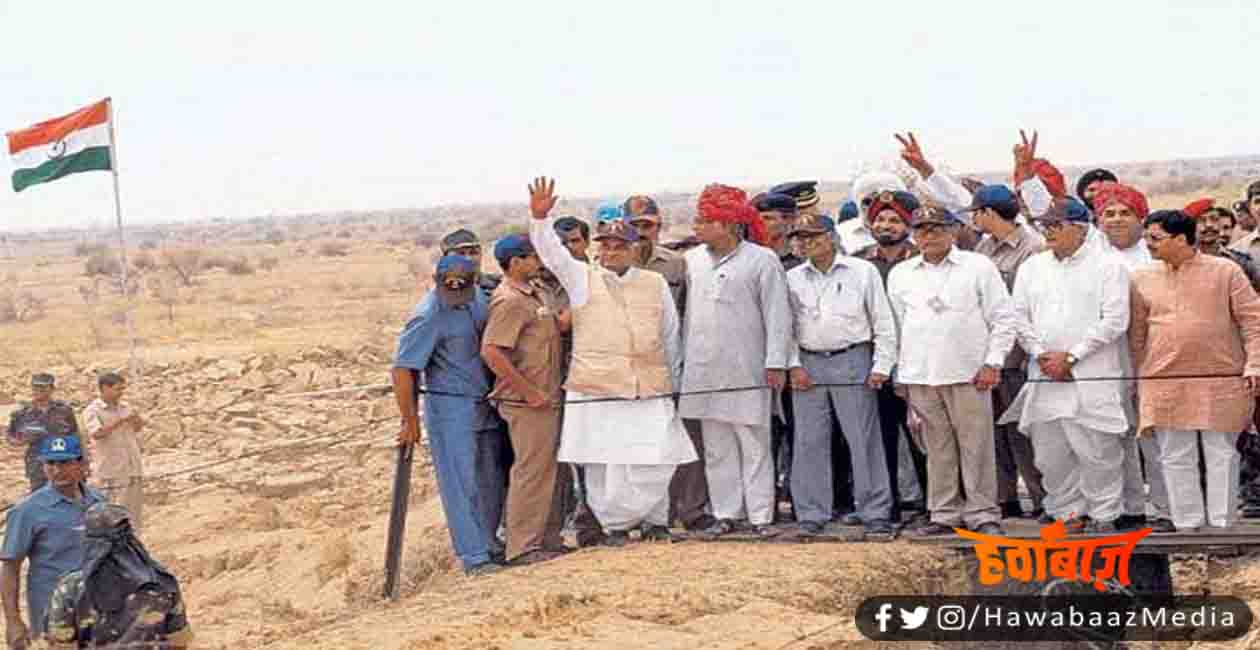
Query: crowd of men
{"points": [[90, 582], [903, 366]]}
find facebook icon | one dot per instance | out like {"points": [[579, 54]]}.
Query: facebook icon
{"points": [[883, 616]]}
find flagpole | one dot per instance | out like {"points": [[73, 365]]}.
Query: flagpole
{"points": [[132, 363]]}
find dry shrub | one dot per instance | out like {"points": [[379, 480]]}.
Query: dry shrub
{"points": [[239, 266], [85, 249], [216, 261], [268, 262], [334, 249], [102, 263], [143, 261], [184, 263]]}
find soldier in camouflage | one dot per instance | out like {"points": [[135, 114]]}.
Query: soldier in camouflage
{"points": [[130, 601], [55, 417]]}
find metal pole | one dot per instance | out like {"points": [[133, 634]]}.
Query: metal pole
{"points": [[398, 520], [132, 363]]}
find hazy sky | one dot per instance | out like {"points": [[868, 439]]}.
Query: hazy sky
{"points": [[236, 108]]}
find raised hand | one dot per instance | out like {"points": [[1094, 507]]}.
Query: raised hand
{"points": [[1025, 153], [542, 197], [913, 155]]}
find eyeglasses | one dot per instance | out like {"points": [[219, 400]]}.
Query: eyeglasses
{"points": [[1047, 227], [1155, 239]]}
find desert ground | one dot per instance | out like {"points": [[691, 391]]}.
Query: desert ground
{"points": [[271, 508]]}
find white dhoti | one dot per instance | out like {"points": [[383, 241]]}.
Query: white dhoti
{"points": [[1082, 470], [624, 496], [629, 451]]}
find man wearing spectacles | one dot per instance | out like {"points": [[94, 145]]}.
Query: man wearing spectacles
{"points": [[1194, 314], [956, 327], [1009, 244], [44, 529]]}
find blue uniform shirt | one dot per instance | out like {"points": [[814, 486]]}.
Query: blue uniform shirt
{"points": [[444, 344], [46, 529]]}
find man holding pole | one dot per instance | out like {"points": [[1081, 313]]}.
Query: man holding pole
{"points": [[442, 341]]}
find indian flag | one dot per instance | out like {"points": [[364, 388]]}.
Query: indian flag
{"points": [[79, 142]]}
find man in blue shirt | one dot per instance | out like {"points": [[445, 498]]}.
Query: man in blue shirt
{"points": [[443, 341], [45, 528]]}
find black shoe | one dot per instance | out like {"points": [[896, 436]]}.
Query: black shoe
{"points": [[1163, 525], [879, 531], [589, 538], [810, 528], [913, 506], [1035, 514], [718, 529], [656, 534], [1130, 522], [617, 538], [1045, 519], [989, 528], [534, 557], [1251, 511], [700, 523], [933, 529], [483, 569], [1078, 524], [1012, 509]]}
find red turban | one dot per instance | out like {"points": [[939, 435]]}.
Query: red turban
{"points": [[1050, 176], [1196, 209], [730, 205], [1110, 192]]}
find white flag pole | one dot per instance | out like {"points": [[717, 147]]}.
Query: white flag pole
{"points": [[133, 364]]}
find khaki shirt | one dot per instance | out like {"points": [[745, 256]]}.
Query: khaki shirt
{"points": [[673, 266], [1008, 254], [115, 455], [871, 254], [522, 322]]}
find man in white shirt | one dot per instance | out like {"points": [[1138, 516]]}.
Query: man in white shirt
{"points": [[1072, 316], [955, 329], [1119, 212], [844, 334]]}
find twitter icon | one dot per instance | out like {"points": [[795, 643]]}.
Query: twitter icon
{"points": [[913, 620]]}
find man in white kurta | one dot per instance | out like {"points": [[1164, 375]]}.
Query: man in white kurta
{"points": [[1119, 211], [1072, 315], [737, 335], [619, 423]]}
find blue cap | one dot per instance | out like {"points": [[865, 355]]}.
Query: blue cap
{"points": [[60, 448], [1067, 208], [930, 214], [620, 229], [512, 246], [455, 264], [775, 201], [814, 224], [608, 211], [999, 197], [848, 211]]}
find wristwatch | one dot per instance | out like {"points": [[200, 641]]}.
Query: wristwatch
{"points": [[1071, 359]]}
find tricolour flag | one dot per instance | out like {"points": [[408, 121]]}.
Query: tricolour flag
{"points": [[78, 142]]}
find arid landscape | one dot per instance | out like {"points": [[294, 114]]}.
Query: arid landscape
{"points": [[271, 505]]}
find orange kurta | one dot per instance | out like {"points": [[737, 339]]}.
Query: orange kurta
{"points": [[1200, 319]]}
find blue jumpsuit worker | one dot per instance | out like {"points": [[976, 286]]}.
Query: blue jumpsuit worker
{"points": [[443, 341]]}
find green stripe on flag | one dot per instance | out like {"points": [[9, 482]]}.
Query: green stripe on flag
{"points": [[90, 159]]}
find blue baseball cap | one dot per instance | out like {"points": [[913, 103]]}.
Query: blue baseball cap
{"points": [[455, 279], [848, 212], [60, 448], [1067, 208], [999, 197], [512, 246]]}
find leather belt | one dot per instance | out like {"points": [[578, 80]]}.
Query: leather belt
{"points": [[832, 353]]}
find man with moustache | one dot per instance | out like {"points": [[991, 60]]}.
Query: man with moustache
{"points": [[1009, 244], [956, 327], [1250, 242], [737, 333], [890, 215], [844, 334], [1119, 213], [1168, 340], [576, 235], [1213, 225]]}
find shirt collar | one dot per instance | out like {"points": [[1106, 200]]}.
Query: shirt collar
{"points": [[48, 496], [951, 257], [526, 289], [838, 261]]}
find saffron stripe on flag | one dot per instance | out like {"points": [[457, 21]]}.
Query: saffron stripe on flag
{"points": [[90, 159], [50, 131]]}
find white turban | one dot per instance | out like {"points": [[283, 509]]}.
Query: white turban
{"points": [[874, 182]]}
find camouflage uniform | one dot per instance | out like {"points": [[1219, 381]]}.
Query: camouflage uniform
{"points": [[67, 625], [58, 419]]}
